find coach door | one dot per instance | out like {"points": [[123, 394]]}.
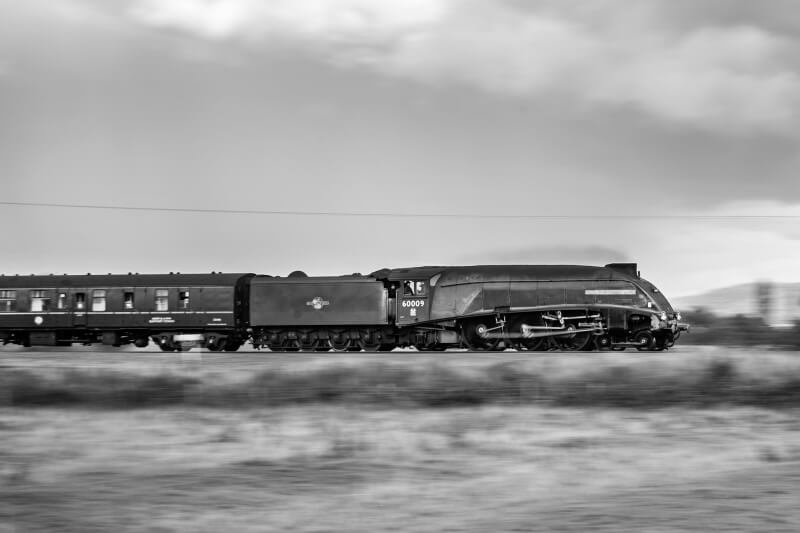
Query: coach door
{"points": [[412, 302], [79, 304]]}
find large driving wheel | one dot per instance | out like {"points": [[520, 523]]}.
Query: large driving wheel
{"points": [[574, 341], [516, 338], [479, 335]]}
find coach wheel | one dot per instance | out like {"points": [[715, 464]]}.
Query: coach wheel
{"points": [[644, 341], [141, 342]]}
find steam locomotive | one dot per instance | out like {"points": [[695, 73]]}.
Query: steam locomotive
{"points": [[526, 307]]}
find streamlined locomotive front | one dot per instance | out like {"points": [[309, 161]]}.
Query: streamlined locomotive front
{"points": [[534, 307]]}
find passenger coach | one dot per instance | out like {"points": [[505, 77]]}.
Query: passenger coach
{"points": [[176, 311]]}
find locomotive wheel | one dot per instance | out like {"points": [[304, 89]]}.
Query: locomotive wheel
{"points": [[644, 341], [603, 342], [574, 341], [475, 332], [530, 343], [166, 347], [232, 346]]}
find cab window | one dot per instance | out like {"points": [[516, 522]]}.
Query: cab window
{"points": [[420, 288], [414, 288], [408, 288]]}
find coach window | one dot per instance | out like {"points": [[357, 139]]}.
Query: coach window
{"points": [[80, 301], [183, 299], [39, 301], [99, 300], [162, 299], [8, 301], [61, 301], [128, 301]]}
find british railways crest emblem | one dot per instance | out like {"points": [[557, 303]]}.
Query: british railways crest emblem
{"points": [[318, 303]]}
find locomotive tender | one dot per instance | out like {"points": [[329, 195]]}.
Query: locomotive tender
{"points": [[527, 307]]}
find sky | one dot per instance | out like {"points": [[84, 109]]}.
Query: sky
{"points": [[535, 131]]}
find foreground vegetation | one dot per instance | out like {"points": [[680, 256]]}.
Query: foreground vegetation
{"points": [[625, 380]]}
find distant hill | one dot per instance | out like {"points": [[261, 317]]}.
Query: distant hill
{"points": [[784, 301]]}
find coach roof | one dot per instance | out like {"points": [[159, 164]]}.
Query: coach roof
{"points": [[120, 280]]}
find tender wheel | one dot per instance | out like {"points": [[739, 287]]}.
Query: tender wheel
{"points": [[368, 346], [644, 341], [339, 344]]}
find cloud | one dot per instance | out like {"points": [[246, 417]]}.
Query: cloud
{"points": [[730, 76]]}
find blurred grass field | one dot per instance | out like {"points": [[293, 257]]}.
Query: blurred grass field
{"points": [[634, 380], [689, 440]]}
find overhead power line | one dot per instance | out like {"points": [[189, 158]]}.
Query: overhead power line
{"points": [[386, 214]]}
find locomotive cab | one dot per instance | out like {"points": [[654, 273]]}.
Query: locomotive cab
{"points": [[412, 301]]}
